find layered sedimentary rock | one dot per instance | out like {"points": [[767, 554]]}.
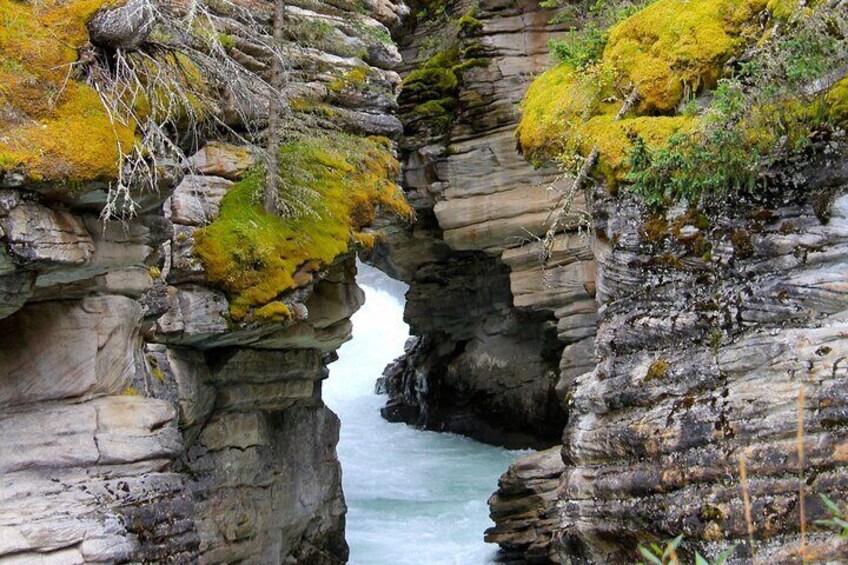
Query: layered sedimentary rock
{"points": [[525, 509], [144, 422], [706, 359], [492, 330]]}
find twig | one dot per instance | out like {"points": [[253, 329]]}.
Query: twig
{"points": [[800, 444], [746, 500], [562, 209]]}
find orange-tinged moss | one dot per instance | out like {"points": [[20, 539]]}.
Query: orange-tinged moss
{"points": [[674, 47], [254, 255], [77, 141], [53, 127]]}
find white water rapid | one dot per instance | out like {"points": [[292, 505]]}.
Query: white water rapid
{"points": [[414, 497]]}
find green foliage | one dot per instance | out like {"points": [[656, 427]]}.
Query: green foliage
{"points": [[679, 170], [582, 47], [838, 518], [656, 554], [766, 114]]}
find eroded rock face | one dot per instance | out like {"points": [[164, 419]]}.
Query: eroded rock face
{"points": [[706, 359], [490, 356], [141, 422], [525, 509]]}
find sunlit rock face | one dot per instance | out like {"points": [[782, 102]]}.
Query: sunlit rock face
{"points": [[495, 338], [141, 423]]}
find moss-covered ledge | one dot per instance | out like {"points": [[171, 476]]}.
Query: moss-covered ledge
{"points": [[256, 256]]}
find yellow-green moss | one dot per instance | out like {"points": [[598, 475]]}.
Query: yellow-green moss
{"points": [[158, 374], [614, 140], [557, 102], [668, 51], [468, 24], [54, 128], [273, 312], [674, 47], [837, 102], [130, 391], [355, 79], [564, 112], [254, 255]]}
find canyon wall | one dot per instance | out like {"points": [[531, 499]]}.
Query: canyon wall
{"points": [[712, 381], [144, 421], [706, 360], [495, 333]]}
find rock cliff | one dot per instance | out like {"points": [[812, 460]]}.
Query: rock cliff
{"points": [[496, 332], [153, 411], [703, 363], [711, 411]]}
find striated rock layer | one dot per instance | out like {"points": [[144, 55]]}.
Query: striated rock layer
{"points": [[141, 422], [706, 359], [495, 339]]}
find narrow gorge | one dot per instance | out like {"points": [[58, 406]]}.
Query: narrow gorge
{"points": [[621, 227]]}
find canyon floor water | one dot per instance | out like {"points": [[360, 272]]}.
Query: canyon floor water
{"points": [[414, 497]]}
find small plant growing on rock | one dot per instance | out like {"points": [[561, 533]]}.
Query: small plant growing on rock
{"points": [[657, 554], [838, 518]]}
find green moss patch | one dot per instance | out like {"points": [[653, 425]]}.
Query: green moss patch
{"points": [[255, 256], [668, 53]]}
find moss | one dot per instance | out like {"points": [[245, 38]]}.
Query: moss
{"points": [[836, 102], [655, 228], [355, 80], [782, 9], [742, 245], [614, 140], [671, 50], [435, 75], [555, 103], [130, 391], [675, 47], [468, 24], [254, 255], [311, 106], [658, 370], [226, 41], [157, 372], [273, 312], [434, 86], [154, 272], [52, 118]]}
